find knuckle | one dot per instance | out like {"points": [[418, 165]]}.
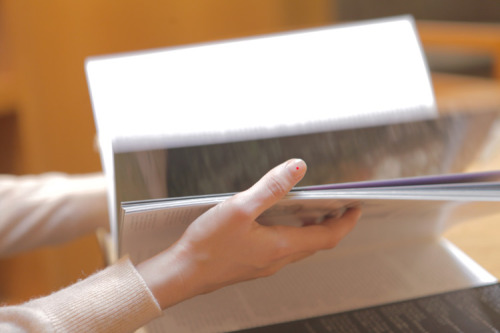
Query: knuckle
{"points": [[238, 206], [282, 250], [275, 187], [268, 271], [332, 242]]}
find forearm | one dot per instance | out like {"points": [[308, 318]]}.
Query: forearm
{"points": [[113, 300], [49, 209]]}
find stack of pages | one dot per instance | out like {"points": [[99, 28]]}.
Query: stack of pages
{"points": [[395, 253]]}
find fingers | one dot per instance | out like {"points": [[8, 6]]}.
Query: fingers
{"points": [[325, 235], [301, 242], [340, 227], [272, 187]]}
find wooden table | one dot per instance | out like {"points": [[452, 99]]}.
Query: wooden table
{"points": [[456, 93], [480, 238]]}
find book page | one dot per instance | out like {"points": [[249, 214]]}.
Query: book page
{"points": [[327, 283], [258, 87], [156, 100], [394, 253], [466, 310], [424, 148], [262, 86], [150, 227], [382, 153]]}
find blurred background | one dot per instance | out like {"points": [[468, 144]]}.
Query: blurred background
{"points": [[46, 120]]}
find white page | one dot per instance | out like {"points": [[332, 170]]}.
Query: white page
{"points": [[320, 79], [384, 221], [328, 283], [394, 253]]}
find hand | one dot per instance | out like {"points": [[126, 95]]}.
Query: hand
{"points": [[225, 245]]}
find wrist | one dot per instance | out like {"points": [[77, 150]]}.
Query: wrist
{"points": [[164, 276]]}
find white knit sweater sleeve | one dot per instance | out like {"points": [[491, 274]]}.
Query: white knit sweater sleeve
{"points": [[115, 299], [53, 208], [47, 209]]}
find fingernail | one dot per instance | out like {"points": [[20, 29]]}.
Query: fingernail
{"points": [[296, 166]]}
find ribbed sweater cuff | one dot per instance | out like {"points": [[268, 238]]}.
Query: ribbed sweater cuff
{"points": [[115, 299]]}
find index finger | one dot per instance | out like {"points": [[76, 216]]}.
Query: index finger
{"points": [[273, 186]]}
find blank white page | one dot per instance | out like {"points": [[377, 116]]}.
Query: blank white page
{"points": [[321, 79]]}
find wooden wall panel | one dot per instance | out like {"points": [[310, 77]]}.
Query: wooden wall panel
{"points": [[52, 39], [43, 45]]}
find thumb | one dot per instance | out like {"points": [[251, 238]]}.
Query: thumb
{"points": [[274, 185]]}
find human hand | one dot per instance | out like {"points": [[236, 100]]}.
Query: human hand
{"points": [[226, 245]]}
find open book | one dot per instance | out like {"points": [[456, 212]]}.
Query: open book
{"points": [[395, 253], [354, 101], [279, 85]]}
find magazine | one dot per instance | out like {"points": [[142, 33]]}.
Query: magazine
{"points": [[284, 85], [180, 129], [396, 251]]}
